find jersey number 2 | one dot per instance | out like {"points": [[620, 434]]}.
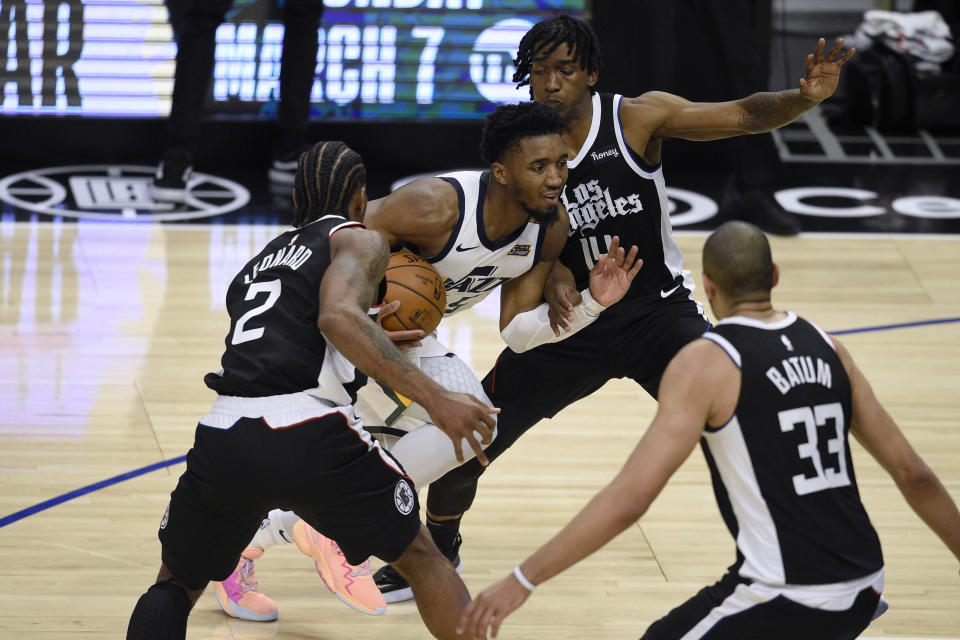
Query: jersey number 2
{"points": [[272, 289], [810, 418]]}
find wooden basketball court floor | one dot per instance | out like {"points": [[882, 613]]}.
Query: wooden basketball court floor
{"points": [[107, 330]]}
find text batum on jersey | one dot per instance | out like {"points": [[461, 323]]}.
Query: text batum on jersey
{"points": [[293, 256], [594, 204], [799, 370]]}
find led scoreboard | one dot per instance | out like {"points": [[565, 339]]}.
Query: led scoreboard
{"points": [[388, 59]]}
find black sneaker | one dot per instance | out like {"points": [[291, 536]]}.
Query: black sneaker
{"points": [[759, 207], [173, 173], [395, 589], [283, 170]]}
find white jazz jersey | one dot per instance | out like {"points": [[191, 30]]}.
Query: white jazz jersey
{"points": [[471, 264]]}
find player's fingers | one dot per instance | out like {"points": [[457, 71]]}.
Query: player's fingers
{"points": [[809, 64], [847, 56], [387, 309], [818, 54], [614, 243], [477, 449], [837, 46], [457, 449], [635, 269], [495, 629]]}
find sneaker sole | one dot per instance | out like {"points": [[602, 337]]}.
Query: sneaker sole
{"points": [[406, 593], [234, 610], [277, 176], [167, 194]]}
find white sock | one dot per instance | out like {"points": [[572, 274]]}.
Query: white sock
{"points": [[276, 529]]}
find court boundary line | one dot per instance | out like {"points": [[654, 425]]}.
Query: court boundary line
{"points": [[76, 493], [90, 488]]}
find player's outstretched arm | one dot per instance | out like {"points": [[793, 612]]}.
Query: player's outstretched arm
{"points": [[667, 115], [875, 429], [686, 404], [359, 259]]}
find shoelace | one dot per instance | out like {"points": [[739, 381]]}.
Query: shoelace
{"points": [[246, 576]]}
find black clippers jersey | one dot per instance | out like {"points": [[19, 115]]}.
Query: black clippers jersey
{"points": [[611, 192], [781, 467], [274, 345]]}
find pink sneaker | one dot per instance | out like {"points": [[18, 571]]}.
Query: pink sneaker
{"points": [[238, 595], [353, 586]]}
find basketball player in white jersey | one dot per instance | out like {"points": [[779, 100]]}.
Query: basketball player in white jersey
{"points": [[615, 188], [482, 230], [757, 392]]}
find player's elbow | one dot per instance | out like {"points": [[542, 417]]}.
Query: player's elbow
{"points": [[333, 317], [915, 477]]}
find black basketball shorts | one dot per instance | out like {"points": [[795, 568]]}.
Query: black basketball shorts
{"points": [[326, 469], [735, 609]]}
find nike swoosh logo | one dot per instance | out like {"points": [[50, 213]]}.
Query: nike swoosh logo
{"points": [[460, 247], [666, 294]]}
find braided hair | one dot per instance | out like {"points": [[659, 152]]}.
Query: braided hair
{"points": [[544, 37], [328, 174], [511, 123]]}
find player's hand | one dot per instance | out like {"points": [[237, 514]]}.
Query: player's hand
{"points": [[490, 607], [402, 340], [823, 73], [462, 417], [610, 278], [560, 292]]}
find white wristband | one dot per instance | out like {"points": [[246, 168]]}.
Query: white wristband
{"points": [[590, 306], [522, 579]]}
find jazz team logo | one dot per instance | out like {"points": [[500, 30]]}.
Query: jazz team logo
{"points": [[117, 192]]}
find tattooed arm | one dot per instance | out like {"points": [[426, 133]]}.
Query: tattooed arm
{"points": [[358, 260], [662, 115]]}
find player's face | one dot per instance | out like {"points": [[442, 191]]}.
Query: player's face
{"points": [[537, 169], [558, 81]]}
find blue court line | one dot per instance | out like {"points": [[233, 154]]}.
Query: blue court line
{"points": [[29, 511], [902, 325], [76, 493]]}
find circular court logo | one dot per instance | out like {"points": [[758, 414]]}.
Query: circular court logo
{"points": [[117, 192]]}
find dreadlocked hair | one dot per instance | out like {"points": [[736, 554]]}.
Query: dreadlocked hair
{"points": [[511, 123], [544, 37], [328, 174]]}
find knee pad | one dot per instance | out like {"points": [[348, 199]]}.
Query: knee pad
{"points": [[160, 613]]}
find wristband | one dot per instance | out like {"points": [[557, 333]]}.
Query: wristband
{"points": [[522, 579], [591, 307]]}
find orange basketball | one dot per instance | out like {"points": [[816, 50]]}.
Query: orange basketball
{"points": [[419, 288]]}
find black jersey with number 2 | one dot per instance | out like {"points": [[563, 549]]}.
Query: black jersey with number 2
{"points": [[274, 345], [781, 467]]}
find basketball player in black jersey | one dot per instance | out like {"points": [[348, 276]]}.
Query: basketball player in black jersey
{"points": [[771, 399], [299, 338], [615, 187]]}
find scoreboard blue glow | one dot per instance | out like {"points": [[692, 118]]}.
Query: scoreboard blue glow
{"points": [[382, 59]]}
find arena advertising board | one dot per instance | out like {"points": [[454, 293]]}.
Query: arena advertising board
{"points": [[388, 59]]}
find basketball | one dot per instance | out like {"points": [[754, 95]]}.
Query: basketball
{"points": [[419, 288]]}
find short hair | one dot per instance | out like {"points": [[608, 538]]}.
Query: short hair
{"points": [[328, 174], [511, 123], [737, 258], [544, 37]]}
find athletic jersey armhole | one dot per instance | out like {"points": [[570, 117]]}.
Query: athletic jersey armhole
{"points": [[725, 344], [635, 162], [455, 232], [541, 238], [824, 335]]}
